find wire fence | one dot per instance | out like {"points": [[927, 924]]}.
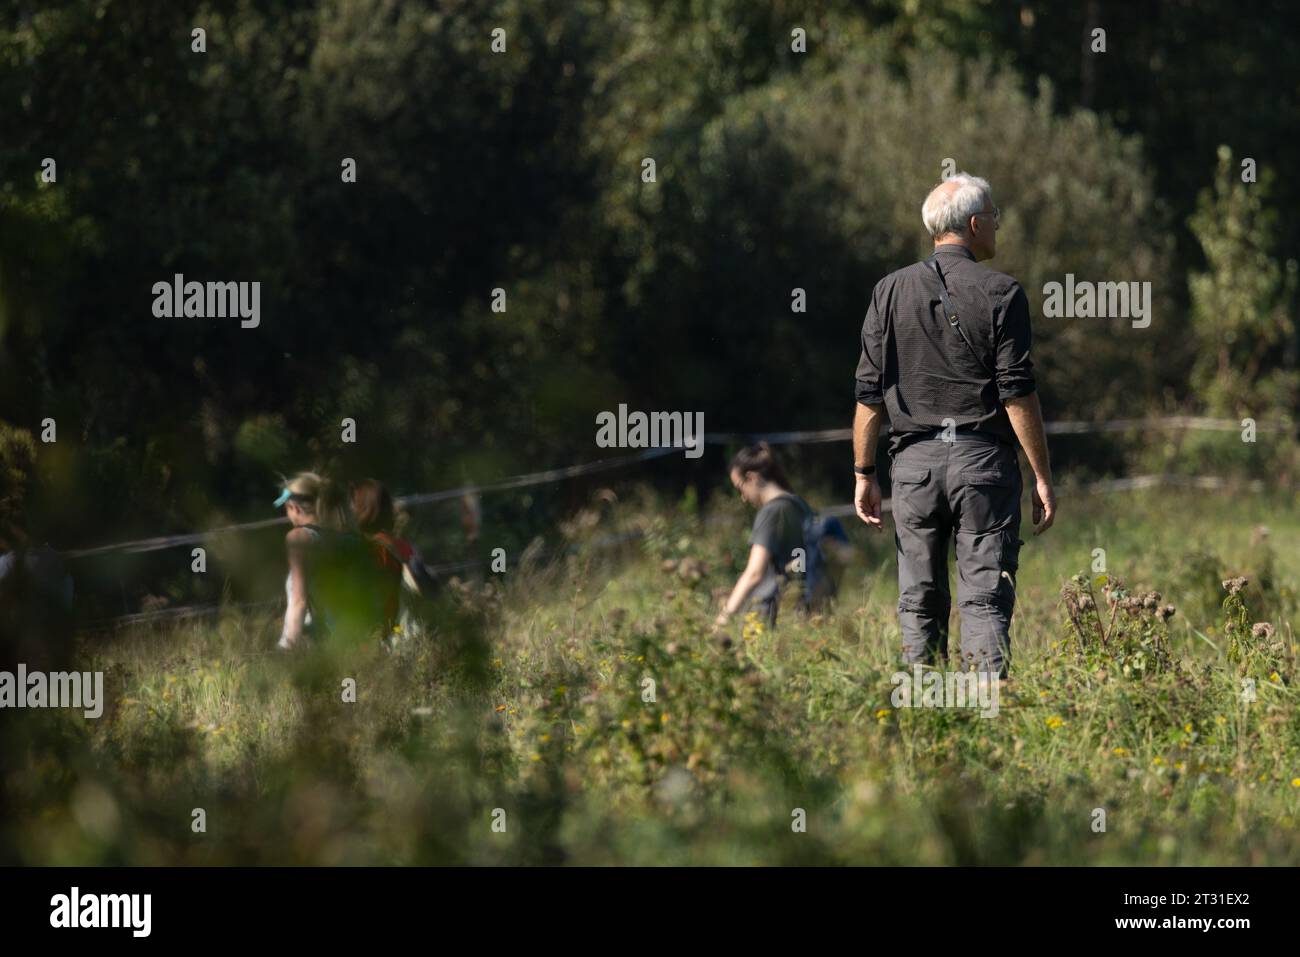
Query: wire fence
{"points": [[1133, 483], [716, 438]]}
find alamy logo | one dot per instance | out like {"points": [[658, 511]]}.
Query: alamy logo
{"points": [[1100, 300], [946, 689], [103, 910], [210, 300], [652, 430], [58, 689]]}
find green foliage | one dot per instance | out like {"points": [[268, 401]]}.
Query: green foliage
{"points": [[1243, 304], [855, 148], [521, 172], [17, 459], [264, 441], [227, 165], [534, 699]]}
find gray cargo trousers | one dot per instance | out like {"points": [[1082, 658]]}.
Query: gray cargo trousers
{"points": [[967, 489]]}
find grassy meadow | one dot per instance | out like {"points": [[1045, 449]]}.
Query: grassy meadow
{"points": [[521, 731]]}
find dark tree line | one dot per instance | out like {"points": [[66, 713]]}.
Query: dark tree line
{"points": [[523, 171]]}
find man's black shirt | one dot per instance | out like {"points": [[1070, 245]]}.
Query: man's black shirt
{"points": [[917, 364]]}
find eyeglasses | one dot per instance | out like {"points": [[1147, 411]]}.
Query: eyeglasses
{"points": [[995, 213]]}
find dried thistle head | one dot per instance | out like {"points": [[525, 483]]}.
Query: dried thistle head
{"points": [[1165, 612], [1261, 630], [691, 569], [1114, 590], [1234, 585]]}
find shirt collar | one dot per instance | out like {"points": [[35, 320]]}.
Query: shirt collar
{"points": [[957, 248]]}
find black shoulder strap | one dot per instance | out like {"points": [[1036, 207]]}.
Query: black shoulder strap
{"points": [[951, 314]]}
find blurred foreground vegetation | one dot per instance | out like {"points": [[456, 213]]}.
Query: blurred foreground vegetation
{"points": [[531, 700]]}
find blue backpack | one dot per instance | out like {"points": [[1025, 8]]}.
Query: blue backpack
{"points": [[818, 582]]}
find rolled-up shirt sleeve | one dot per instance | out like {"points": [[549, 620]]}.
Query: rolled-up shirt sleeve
{"points": [[1015, 370], [868, 387]]}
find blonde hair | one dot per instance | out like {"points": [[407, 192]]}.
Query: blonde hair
{"points": [[323, 499]]}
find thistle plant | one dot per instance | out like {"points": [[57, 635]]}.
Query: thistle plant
{"points": [[1129, 629]]}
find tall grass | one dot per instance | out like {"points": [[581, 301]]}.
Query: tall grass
{"points": [[583, 711]]}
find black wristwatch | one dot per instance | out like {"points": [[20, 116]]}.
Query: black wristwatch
{"points": [[869, 470]]}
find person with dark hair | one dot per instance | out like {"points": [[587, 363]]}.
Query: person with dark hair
{"points": [[373, 507], [397, 560], [778, 534]]}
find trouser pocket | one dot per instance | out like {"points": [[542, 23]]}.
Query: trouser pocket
{"points": [[921, 539], [987, 503]]}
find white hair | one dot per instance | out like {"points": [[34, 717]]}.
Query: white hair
{"points": [[948, 210]]}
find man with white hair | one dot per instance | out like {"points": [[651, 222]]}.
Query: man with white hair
{"points": [[945, 351]]}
